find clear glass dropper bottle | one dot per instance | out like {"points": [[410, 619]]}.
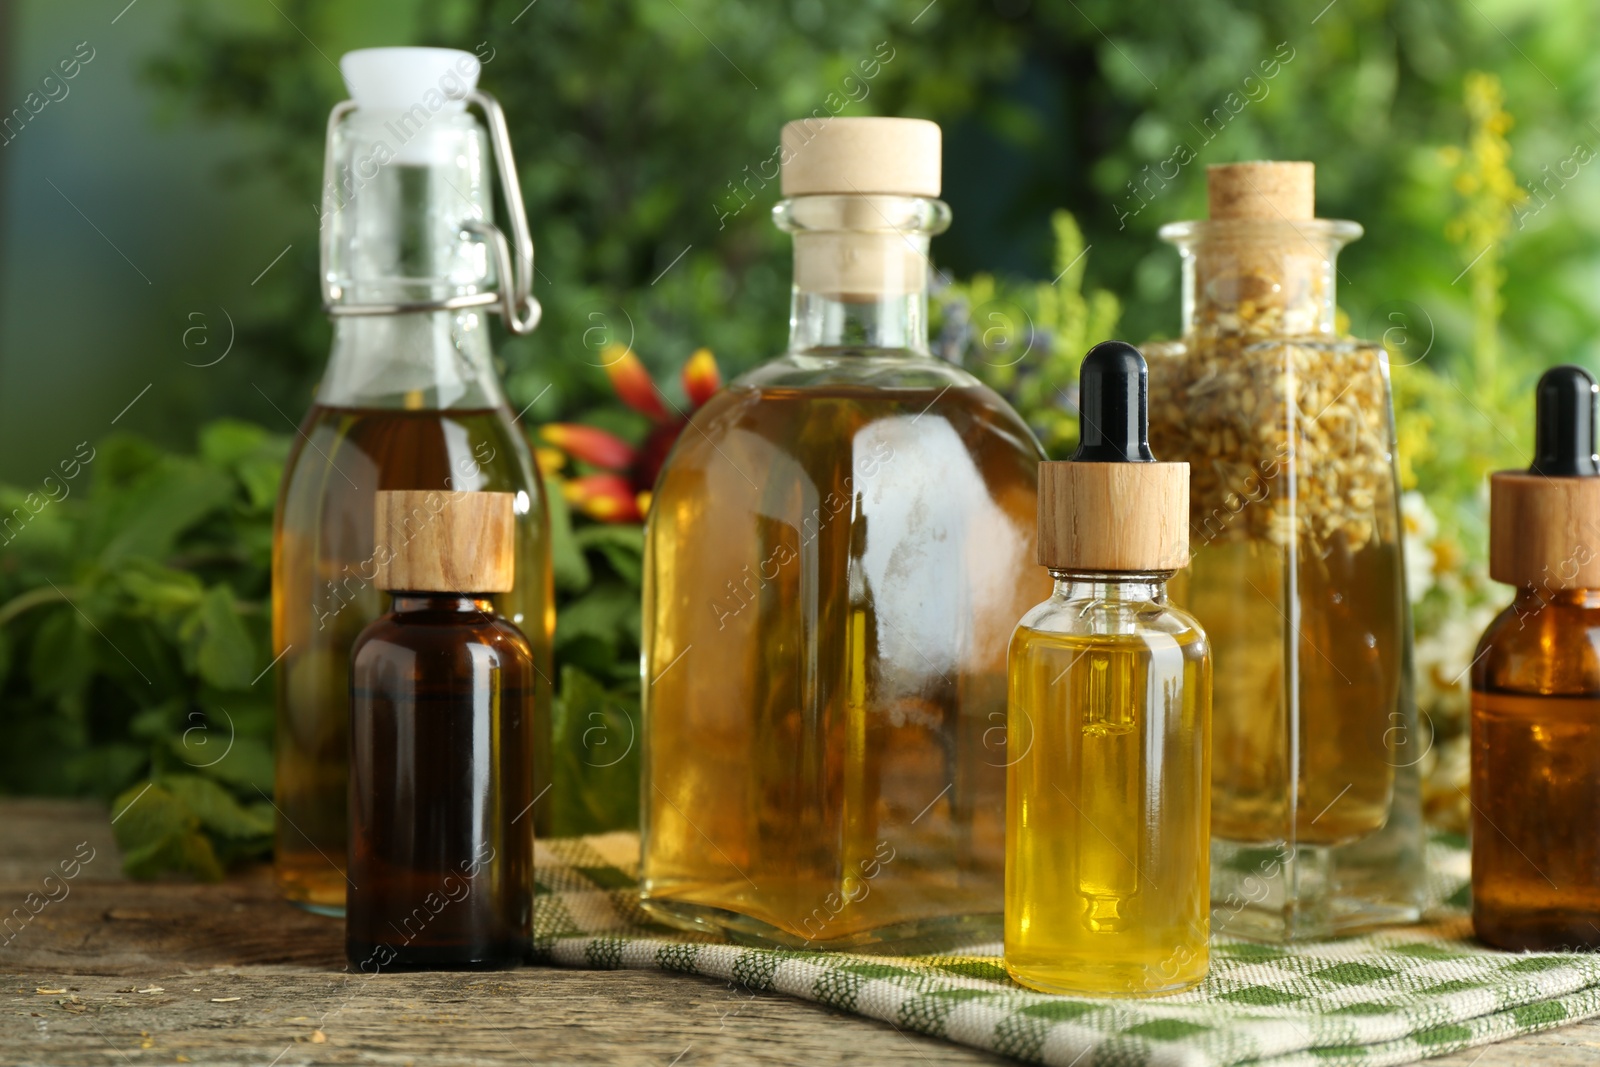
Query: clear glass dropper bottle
{"points": [[1108, 728]]}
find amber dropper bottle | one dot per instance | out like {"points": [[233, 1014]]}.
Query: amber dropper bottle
{"points": [[441, 745], [1108, 806], [1536, 690]]}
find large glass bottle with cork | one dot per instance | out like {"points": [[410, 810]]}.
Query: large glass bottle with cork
{"points": [[838, 549], [1287, 427], [412, 268]]}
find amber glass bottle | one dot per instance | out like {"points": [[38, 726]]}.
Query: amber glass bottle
{"points": [[837, 550], [410, 400], [441, 745], [1536, 691], [1108, 789]]}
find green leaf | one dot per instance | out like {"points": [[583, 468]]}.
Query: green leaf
{"points": [[246, 763], [571, 570], [159, 591], [182, 852], [215, 807], [64, 656], [621, 545], [104, 769], [254, 456], [260, 478], [157, 722], [158, 832], [224, 654], [145, 517], [225, 442], [121, 458], [596, 757], [37, 529], [609, 612]]}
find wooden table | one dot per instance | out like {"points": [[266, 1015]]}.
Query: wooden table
{"points": [[124, 973]]}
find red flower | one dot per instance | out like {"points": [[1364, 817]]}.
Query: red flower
{"points": [[621, 493]]}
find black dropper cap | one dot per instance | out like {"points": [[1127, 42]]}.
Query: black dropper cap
{"points": [[1564, 405], [1113, 392]]}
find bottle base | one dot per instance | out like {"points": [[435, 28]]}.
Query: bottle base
{"points": [[912, 937], [1280, 894], [377, 958], [318, 889], [332, 911], [1538, 931], [1100, 979]]}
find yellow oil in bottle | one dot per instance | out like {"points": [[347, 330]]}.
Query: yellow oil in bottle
{"points": [[1334, 663], [832, 574], [1108, 858], [323, 596]]}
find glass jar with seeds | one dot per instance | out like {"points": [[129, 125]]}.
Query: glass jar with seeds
{"points": [[1295, 528]]}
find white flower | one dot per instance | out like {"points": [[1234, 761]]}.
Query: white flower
{"points": [[1444, 658], [1419, 526]]}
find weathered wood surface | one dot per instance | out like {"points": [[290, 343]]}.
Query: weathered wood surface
{"points": [[118, 973]]}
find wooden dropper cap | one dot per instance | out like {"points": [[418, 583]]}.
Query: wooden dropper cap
{"points": [[430, 541], [1544, 523], [1112, 507]]}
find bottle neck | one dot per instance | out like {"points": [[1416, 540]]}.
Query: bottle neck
{"points": [[417, 360], [1259, 278], [854, 321], [410, 603], [860, 271], [1148, 587], [1533, 597], [402, 191]]}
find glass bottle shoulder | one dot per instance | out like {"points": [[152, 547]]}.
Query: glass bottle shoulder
{"points": [[1543, 642], [847, 388], [412, 638], [862, 367], [1075, 617]]}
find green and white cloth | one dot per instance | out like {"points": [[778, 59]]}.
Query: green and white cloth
{"points": [[1386, 998]]}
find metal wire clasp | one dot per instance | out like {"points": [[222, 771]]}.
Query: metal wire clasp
{"points": [[514, 300]]}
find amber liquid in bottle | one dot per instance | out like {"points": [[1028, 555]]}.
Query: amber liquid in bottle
{"points": [[1294, 523], [323, 596], [409, 401], [1107, 876], [857, 791], [1342, 676], [1536, 688], [1536, 774], [441, 790]]}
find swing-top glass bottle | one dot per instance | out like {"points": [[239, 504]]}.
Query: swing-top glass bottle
{"points": [[412, 267]]}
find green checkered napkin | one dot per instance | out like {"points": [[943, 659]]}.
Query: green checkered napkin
{"points": [[1387, 998]]}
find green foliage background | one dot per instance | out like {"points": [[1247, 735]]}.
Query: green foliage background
{"points": [[639, 126]]}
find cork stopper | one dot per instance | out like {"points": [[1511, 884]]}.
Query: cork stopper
{"points": [[429, 541], [844, 156], [1262, 190], [1544, 523], [1112, 507]]}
